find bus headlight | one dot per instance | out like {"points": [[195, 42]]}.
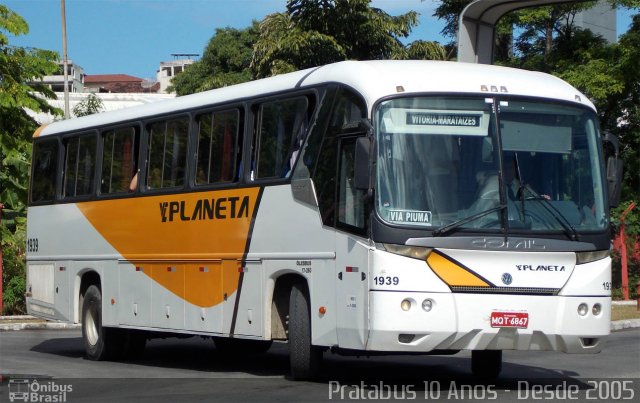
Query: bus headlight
{"points": [[415, 252], [596, 310], [427, 304], [583, 309], [591, 256], [405, 305]]}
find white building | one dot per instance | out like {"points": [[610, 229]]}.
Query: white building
{"points": [[75, 78], [168, 70], [110, 101]]}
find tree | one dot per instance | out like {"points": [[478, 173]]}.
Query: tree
{"points": [[88, 106], [621, 112], [316, 32], [225, 61], [20, 68], [542, 28]]}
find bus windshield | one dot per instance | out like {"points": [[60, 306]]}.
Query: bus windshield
{"points": [[487, 163]]}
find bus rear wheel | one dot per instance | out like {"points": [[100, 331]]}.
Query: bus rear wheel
{"points": [[100, 343], [304, 357], [486, 364]]}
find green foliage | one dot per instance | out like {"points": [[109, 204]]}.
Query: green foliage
{"points": [[225, 61], [316, 32], [13, 233], [20, 68], [284, 46], [310, 33], [88, 106], [631, 220], [633, 275], [422, 50]]}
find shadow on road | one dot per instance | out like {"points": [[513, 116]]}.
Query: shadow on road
{"points": [[200, 356]]}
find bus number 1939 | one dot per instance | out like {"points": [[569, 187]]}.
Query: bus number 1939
{"points": [[386, 280]]}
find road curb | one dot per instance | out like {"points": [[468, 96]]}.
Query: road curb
{"points": [[4, 327], [624, 303], [625, 324]]}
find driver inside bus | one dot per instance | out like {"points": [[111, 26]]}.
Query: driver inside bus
{"points": [[488, 183]]}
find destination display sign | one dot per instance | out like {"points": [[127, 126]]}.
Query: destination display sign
{"points": [[443, 119], [414, 217], [438, 122]]}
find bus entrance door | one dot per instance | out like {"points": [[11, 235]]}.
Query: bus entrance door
{"points": [[351, 292]]}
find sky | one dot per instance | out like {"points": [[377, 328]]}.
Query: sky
{"points": [[134, 36]]}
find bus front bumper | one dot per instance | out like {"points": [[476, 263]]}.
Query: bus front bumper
{"points": [[459, 321]]}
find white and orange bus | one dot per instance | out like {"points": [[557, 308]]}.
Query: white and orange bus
{"points": [[359, 207]]}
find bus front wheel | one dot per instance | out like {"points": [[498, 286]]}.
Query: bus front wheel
{"points": [[305, 358], [100, 343], [486, 364]]}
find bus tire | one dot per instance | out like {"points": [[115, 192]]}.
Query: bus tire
{"points": [[100, 343], [486, 364], [229, 346], [305, 358]]}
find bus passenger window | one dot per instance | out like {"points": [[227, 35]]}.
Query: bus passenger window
{"points": [[119, 159], [79, 167], [218, 147], [281, 129], [167, 153], [45, 165]]}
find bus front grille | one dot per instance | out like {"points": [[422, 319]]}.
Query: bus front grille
{"points": [[506, 290]]}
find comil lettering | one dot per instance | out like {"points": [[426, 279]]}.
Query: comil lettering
{"points": [[205, 209]]}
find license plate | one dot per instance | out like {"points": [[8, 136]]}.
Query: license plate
{"points": [[510, 319]]}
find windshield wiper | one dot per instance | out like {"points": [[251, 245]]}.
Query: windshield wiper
{"points": [[570, 231], [456, 224]]}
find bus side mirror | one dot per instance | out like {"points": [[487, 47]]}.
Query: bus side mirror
{"points": [[614, 170], [614, 180], [363, 153]]}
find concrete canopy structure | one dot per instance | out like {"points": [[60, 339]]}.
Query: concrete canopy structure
{"points": [[477, 26]]}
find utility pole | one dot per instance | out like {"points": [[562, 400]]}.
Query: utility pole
{"points": [[64, 60]]}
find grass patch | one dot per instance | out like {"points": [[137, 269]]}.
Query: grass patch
{"points": [[623, 312]]}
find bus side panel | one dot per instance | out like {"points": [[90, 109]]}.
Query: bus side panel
{"points": [[243, 310], [135, 294], [167, 308], [289, 239], [61, 245], [40, 287], [204, 278]]}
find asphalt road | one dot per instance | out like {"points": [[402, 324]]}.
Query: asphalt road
{"points": [[192, 370]]}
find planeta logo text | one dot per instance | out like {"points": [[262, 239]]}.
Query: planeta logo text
{"points": [[540, 267], [205, 209]]}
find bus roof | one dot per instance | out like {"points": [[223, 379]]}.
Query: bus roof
{"points": [[373, 79]]}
